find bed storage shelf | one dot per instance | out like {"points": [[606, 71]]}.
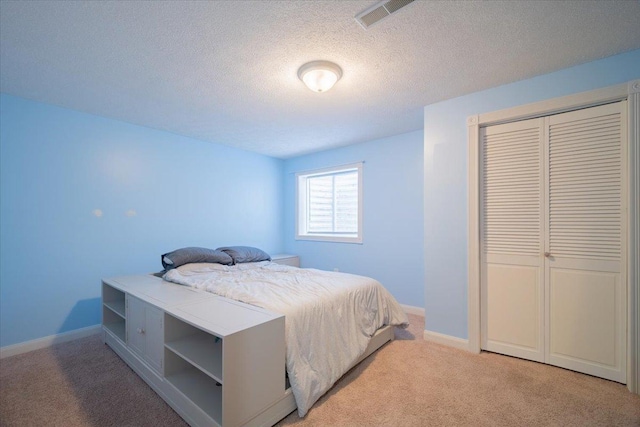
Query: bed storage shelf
{"points": [[200, 349], [114, 312], [204, 339], [201, 389], [117, 307], [117, 328]]}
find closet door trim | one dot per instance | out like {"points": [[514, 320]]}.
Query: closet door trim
{"points": [[628, 91]]}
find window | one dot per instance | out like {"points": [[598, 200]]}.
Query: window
{"points": [[329, 204]]}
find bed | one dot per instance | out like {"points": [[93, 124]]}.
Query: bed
{"points": [[350, 316], [342, 309]]}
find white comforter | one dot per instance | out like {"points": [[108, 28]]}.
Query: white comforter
{"points": [[330, 317]]}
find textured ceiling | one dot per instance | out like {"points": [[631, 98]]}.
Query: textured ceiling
{"points": [[225, 71]]}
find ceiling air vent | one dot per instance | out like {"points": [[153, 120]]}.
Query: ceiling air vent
{"points": [[380, 11]]}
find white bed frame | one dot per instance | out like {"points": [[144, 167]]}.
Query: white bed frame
{"points": [[215, 361]]}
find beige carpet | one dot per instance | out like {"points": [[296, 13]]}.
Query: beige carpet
{"points": [[408, 382]]}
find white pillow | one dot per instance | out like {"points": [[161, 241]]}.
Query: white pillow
{"points": [[248, 265], [201, 267]]}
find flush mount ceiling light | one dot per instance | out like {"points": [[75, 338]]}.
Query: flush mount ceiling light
{"points": [[320, 76]]}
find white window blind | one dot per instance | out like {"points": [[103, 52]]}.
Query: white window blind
{"points": [[330, 204]]}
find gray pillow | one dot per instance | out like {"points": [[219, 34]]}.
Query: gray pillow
{"points": [[242, 254], [189, 255]]}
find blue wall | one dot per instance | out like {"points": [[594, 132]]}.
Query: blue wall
{"points": [[392, 249], [445, 176], [57, 166]]}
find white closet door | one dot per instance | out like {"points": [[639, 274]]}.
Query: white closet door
{"points": [[512, 297], [585, 249]]}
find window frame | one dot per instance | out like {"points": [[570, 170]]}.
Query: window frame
{"points": [[301, 205]]}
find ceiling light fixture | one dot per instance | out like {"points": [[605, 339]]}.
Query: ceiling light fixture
{"points": [[320, 76]]}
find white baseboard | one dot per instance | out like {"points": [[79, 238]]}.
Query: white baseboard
{"points": [[447, 340], [24, 347], [410, 309]]}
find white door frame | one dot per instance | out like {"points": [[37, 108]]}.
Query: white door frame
{"points": [[629, 91]]}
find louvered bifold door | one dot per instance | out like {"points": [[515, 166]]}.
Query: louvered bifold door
{"points": [[585, 250], [512, 298]]}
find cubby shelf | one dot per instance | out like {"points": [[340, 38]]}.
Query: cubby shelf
{"points": [[114, 312], [117, 307], [118, 329], [201, 389], [202, 350]]}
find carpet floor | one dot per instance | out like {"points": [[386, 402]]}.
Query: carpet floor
{"points": [[408, 382]]}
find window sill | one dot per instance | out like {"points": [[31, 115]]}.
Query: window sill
{"points": [[332, 239]]}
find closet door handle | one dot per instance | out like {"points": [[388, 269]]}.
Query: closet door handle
{"points": [[547, 254]]}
